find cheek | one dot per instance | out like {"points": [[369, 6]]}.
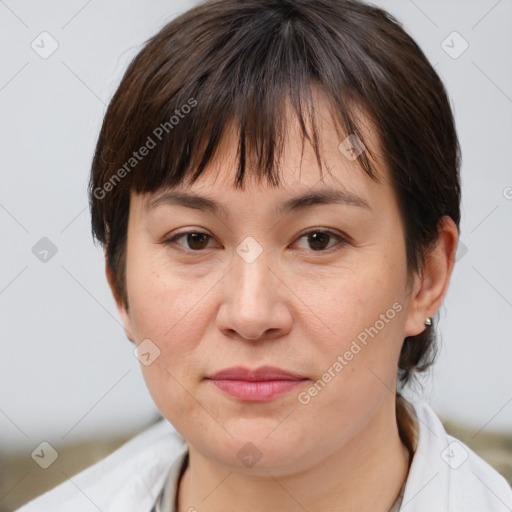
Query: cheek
{"points": [[357, 371], [169, 309], [162, 298], [361, 323], [349, 304]]}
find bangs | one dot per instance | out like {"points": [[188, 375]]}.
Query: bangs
{"points": [[242, 77]]}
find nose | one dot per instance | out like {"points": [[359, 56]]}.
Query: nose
{"points": [[255, 301]]}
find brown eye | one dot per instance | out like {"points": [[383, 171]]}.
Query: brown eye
{"points": [[318, 240], [195, 240]]}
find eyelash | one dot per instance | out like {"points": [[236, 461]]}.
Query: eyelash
{"points": [[342, 240]]}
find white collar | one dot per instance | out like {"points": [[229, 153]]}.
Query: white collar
{"points": [[446, 475]]}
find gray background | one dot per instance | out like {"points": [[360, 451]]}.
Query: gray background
{"points": [[66, 369]]}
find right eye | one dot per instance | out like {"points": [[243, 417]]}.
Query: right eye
{"points": [[196, 240]]}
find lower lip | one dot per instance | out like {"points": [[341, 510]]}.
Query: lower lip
{"points": [[257, 391]]}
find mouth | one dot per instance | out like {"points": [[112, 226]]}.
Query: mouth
{"points": [[257, 385]]}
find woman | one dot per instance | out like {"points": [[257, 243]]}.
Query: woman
{"points": [[276, 186]]}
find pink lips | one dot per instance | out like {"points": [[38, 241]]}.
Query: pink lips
{"points": [[258, 385]]}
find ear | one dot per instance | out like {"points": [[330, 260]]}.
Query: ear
{"points": [[121, 308], [429, 289]]}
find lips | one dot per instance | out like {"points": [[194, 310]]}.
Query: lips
{"points": [[262, 384], [263, 373]]}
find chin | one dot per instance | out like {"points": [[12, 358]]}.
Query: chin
{"points": [[256, 453]]}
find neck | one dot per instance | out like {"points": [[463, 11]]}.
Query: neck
{"points": [[365, 474]]}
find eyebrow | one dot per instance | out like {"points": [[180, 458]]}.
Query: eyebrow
{"points": [[307, 200]]}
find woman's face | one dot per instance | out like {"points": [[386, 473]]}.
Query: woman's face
{"points": [[253, 289]]}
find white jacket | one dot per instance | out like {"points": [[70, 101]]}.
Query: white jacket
{"points": [[445, 475]]}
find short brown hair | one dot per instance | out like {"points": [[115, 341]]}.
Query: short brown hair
{"points": [[232, 61]]}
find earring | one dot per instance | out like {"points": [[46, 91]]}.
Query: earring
{"points": [[428, 320]]}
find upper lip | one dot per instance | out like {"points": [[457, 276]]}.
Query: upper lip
{"points": [[257, 374]]}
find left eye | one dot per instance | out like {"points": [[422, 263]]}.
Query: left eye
{"points": [[197, 241], [317, 239]]}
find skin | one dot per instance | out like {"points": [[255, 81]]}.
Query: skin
{"points": [[293, 307]]}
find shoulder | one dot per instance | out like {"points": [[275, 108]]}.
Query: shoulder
{"points": [[446, 472], [128, 479]]}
